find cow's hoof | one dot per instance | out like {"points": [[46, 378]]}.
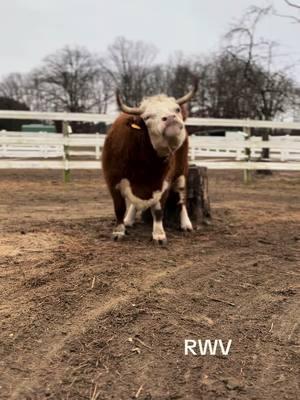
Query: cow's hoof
{"points": [[207, 221], [160, 241], [117, 237], [186, 228], [119, 232], [163, 242], [129, 224]]}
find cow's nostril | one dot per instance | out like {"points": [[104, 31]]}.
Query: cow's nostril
{"points": [[169, 118]]}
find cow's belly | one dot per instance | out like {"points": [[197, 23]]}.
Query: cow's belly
{"points": [[145, 190]]}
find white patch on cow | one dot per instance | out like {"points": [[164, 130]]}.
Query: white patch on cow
{"points": [[185, 222], [119, 231], [158, 233], [165, 186], [140, 204], [130, 216], [180, 188]]}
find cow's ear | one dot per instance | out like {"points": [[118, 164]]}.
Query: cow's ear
{"points": [[184, 111], [140, 122]]}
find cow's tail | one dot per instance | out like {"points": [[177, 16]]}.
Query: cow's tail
{"points": [[139, 204]]}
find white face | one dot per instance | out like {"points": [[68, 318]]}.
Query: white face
{"points": [[163, 118]]}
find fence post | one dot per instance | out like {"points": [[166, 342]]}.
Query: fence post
{"points": [[247, 172], [265, 152], [66, 151], [192, 153], [97, 146]]}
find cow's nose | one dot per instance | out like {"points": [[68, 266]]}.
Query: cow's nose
{"points": [[168, 118]]}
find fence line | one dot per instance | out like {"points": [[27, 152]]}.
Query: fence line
{"points": [[49, 145], [211, 164], [242, 152], [109, 118]]}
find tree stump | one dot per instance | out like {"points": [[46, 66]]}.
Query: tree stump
{"points": [[198, 204]]}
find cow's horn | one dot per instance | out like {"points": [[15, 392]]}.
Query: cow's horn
{"points": [[189, 95], [125, 108]]}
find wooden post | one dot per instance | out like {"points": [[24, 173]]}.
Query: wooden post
{"points": [[66, 131], [265, 153], [247, 172], [97, 146], [198, 204]]}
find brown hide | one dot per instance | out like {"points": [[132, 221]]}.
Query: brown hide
{"points": [[128, 153]]}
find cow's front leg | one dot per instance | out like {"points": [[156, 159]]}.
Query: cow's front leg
{"points": [[130, 216], [120, 209], [158, 234], [180, 188]]}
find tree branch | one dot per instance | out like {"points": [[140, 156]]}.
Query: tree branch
{"points": [[295, 19], [291, 4]]}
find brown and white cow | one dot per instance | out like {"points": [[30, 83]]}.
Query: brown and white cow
{"points": [[145, 155]]}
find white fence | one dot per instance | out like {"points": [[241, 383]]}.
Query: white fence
{"points": [[54, 151], [51, 145], [281, 148]]}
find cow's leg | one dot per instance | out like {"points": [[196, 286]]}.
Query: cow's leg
{"points": [[130, 216], [120, 209], [158, 234], [180, 188]]}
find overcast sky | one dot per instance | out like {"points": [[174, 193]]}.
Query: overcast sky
{"points": [[31, 29]]}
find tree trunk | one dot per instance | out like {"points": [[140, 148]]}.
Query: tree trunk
{"points": [[198, 204]]}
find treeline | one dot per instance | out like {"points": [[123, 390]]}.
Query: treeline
{"points": [[241, 81]]}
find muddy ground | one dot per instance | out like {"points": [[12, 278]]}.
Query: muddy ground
{"points": [[83, 317]]}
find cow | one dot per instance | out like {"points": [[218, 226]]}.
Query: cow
{"points": [[145, 155]]}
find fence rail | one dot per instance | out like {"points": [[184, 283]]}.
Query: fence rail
{"points": [[109, 118], [211, 164], [37, 145]]}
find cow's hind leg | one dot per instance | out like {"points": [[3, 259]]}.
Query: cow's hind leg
{"points": [[180, 188], [120, 209], [158, 234], [130, 216]]}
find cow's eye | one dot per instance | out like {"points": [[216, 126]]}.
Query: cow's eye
{"points": [[178, 110], [148, 116]]}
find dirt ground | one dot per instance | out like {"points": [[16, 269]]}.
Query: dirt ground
{"points": [[83, 317]]}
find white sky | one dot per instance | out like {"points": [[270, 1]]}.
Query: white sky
{"points": [[31, 29]]}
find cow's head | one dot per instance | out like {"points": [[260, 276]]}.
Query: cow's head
{"points": [[164, 119]]}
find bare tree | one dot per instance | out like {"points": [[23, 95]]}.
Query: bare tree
{"points": [[295, 7], [68, 79], [24, 88], [7, 103], [292, 4], [14, 86], [270, 86], [129, 63]]}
